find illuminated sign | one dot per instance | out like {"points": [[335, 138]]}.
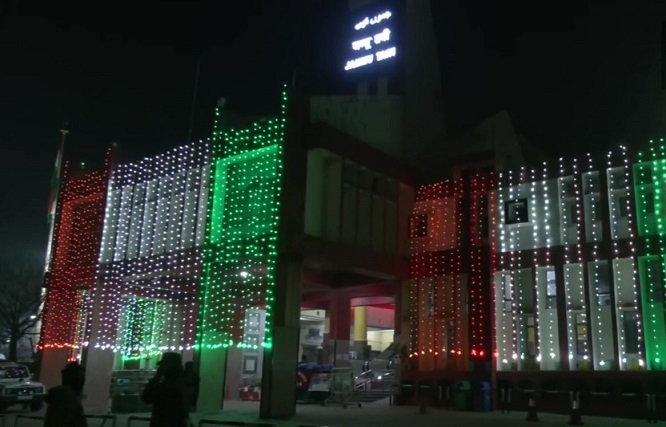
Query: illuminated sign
{"points": [[372, 41]]}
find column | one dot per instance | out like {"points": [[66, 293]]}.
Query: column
{"points": [[53, 361], [212, 370], [339, 328], [278, 380], [361, 332]]}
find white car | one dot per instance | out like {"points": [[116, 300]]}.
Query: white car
{"points": [[17, 387]]}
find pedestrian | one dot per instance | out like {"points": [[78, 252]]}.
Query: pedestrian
{"points": [[192, 381], [167, 393], [64, 401]]}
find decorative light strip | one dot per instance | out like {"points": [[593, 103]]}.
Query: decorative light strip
{"points": [[77, 236], [242, 227]]}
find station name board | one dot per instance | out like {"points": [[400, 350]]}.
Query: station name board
{"points": [[372, 41]]}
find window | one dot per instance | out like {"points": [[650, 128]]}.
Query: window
{"points": [[596, 211], [531, 335], [623, 207], [603, 285], [573, 214], [551, 289], [631, 331], [645, 175], [581, 334], [568, 188], [649, 203], [619, 180], [655, 279], [418, 226], [506, 288], [431, 299], [450, 334], [483, 217], [592, 183], [515, 211]]}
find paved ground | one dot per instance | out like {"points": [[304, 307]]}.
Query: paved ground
{"points": [[373, 415]]}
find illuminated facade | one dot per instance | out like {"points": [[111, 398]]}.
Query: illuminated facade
{"points": [[71, 274], [571, 284]]}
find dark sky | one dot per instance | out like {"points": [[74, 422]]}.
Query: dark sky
{"points": [[576, 78]]}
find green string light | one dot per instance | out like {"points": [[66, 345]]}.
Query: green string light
{"points": [[240, 252], [650, 173]]}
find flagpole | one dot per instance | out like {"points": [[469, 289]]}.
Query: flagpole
{"points": [[64, 131]]}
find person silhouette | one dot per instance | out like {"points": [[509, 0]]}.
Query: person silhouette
{"points": [[166, 392], [64, 401]]}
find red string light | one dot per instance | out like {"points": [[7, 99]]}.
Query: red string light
{"points": [[70, 278]]}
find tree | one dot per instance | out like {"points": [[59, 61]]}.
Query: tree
{"points": [[20, 301]]}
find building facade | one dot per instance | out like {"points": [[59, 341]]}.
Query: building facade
{"points": [[574, 268]]}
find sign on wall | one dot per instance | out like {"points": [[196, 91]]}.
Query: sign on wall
{"points": [[373, 41]]}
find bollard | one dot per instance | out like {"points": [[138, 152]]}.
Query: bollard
{"points": [[531, 411], [652, 408], [575, 419]]}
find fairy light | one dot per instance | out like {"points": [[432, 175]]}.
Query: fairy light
{"points": [[651, 174], [242, 227], [77, 234], [150, 259]]}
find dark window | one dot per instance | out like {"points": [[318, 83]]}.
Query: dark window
{"points": [[596, 211], [515, 211], [631, 331], [624, 206], [645, 175], [531, 335], [483, 212], [418, 226], [649, 203], [581, 334], [506, 288], [603, 284], [568, 188], [592, 183], [484, 227], [431, 299], [450, 335], [655, 279], [487, 170], [619, 180], [573, 214], [551, 289]]}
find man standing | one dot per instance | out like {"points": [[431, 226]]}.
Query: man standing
{"points": [[192, 381], [64, 401], [167, 393]]}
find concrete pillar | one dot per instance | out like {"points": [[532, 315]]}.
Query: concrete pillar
{"points": [[361, 333], [278, 380], [339, 328], [212, 369], [99, 367], [360, 324], [53, 361]]}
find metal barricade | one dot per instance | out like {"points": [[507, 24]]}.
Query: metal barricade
{"points": [[133, 418], [25, 417], [232, 423], [113, 418]]}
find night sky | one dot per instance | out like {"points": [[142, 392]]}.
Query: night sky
{"points": [[576, 79]]}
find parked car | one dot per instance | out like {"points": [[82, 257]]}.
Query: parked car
{"points": [[17, 387]]}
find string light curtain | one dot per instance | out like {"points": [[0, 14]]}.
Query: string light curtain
{"points": [[242, 227], [649, 190], [70, 279], [151, 256], [449, 267]]}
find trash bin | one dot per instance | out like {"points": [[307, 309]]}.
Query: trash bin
{"points": [[482, 397], [463, 396]]}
